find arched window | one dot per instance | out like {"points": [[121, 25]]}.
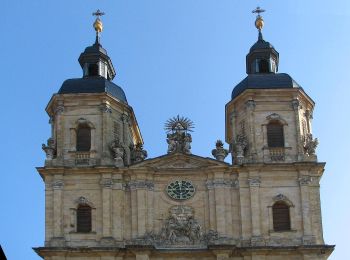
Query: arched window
{"points": [[281, 216], [84, 218], [263, 66], [83, 138], [275, 135]]}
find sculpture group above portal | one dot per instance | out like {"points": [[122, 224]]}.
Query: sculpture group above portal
{"points": [[178, 138]]}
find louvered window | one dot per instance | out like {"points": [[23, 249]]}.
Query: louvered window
{"points": [[83, 139], [275, 136], [263, 66], [281, 218], [93, 70], [84, 219]]}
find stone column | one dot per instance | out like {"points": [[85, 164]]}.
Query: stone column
{"points": [[254, 186], [57, 187], [304, 181], [107, 184], [296, 108], [250, 107]]}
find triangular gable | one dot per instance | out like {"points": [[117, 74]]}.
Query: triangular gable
{"points": [[179, 161]]}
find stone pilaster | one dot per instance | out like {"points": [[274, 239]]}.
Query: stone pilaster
{"points": [[60, 131], [296, 108], [139, 191], [254, 187], [223, 211], [57, 186], [106, 185], [304, 182], [250, 107], [106, 125], [118, 198]]}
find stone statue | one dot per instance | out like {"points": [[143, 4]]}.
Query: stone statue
{"points": [[310, 144], [187, 143], [49, 149], [171, 143], [219, 152], [118, 152], [138, 154], [238, 147], [178, 137]]}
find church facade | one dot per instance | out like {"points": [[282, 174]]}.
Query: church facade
{"points": [[105, 200]]}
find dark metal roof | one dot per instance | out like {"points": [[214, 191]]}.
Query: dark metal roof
{"points": [[265, 81], [95, 48], [92, 85], [261, 44]]}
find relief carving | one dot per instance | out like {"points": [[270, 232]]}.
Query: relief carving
{"points": [[180, 229]]}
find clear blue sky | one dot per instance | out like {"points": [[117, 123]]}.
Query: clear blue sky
{"points": [[172, 57]]}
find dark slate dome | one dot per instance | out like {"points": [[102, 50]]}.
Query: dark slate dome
{"points": [[92, 85], [265, 81]]}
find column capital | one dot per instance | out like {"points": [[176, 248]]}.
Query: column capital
{"points": [[107, 183], [250, 104], [57, 185], [296, 104], [305, 180], [254, 182]]}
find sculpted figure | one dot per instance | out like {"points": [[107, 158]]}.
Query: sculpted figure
{"points": [[310, 144], [118, 152], [49, 149]]}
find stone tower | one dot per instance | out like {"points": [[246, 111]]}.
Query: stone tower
{"points": [[105, 201]]}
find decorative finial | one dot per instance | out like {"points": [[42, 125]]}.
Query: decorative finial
{"points": [[259, 21], [98, 26]]}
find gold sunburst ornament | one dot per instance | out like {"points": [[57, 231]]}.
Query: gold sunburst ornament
{"points": [[179, 124]]}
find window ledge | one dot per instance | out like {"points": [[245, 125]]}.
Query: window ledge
{"points": [[282, 231]]}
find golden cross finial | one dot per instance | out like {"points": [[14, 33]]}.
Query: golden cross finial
{"points": [[98, 13], [258, 11], [98, 23], [259, 21]]}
